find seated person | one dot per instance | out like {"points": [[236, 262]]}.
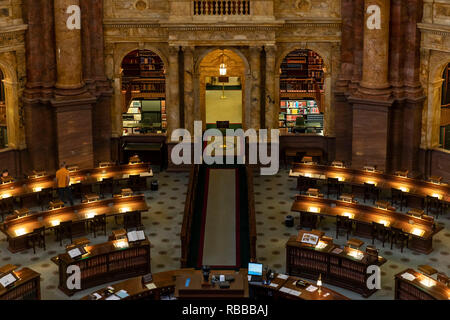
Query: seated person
{"points": [[5, 176]]}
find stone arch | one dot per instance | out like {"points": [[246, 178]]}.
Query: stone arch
{"points": [[200, 114], [119, 52]]}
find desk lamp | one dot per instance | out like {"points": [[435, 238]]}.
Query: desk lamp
{"points": [[319, 283]]}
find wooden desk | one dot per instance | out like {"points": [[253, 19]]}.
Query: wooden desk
{"points": [[418, 288], [421, 230], [165, 283], [27, 190], [238, 288], [343, 267], [105, 263], [28, 287], [414, 189], [16, 230]]}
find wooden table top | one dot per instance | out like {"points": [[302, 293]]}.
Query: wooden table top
{"points": [[102, 248], [424, 283], [20, 227], [359, 177], [30, 186], [134, 286], [331, 249], [415, 226], [24, 275]]}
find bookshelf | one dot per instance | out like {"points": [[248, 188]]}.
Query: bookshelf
{"points": [[290, 110], [337, 266], [419, 287], [302, 72], [105, 263], [26, 288], [145, 116]]}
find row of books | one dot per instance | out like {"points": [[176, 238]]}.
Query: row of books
{"points": [[27, 290], [130, 264], [353, 266], [307, 254], [130, 253], [318, 267], [346, 274], [410, 292]]}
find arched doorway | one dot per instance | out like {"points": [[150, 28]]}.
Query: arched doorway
{"points": [[222, 82], [143, 87], [302, 94], [3, 125], [444, 134]]}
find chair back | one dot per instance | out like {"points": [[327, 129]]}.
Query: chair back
{"points": [[343, 221]]}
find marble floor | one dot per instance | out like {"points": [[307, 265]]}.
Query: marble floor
{"points": [[273, 196]]}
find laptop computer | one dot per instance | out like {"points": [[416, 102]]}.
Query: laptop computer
{"points": [[255, 271]]}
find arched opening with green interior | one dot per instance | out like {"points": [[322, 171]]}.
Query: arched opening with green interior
{"points": [[302, 92], [143, 93], [444, 134]]}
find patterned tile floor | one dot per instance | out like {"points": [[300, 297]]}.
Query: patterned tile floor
{"points": [[273, 197]]}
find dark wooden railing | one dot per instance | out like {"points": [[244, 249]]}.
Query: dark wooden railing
{"points": [[188, 215], [221, 7], [251, 212]]}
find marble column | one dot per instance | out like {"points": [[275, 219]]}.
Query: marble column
{"points": [[272, 108], [188, 54], [434, 113], [346, 45], [173, 92], [358, 30], [68, 47], [255, 104], [375, 70]]}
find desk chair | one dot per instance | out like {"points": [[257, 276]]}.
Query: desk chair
{"points": [[44, 197], [442, 277], [305, 183], [6, 207], [434, 206], [77, 191], [333, 187], [132, 220], [37, 237], [136, 183], [106, 186], [307, 220], [370, 192], [344, 223], [397, 198], [398, 236], [64, 230], [380, 232], [97, 223]]}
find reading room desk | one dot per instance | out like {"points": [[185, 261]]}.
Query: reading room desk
{"points": [[16, 230], [27, 286], [421, 230], [413, 285]]}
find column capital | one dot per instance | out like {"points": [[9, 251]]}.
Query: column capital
{"points": [[254, 49], [174, 49], [188, 49]]}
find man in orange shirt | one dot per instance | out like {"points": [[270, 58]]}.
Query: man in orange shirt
{"points": [[62, 182]]}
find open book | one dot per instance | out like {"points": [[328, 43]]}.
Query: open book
{"points": [[7, 280], [136, 236]]}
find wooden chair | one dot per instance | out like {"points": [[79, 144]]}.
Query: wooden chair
{"points": [[397, 198], [135, 182], [6, 207], [344, 223], [379, 231], [37, 237], [308, 220], [44, 197], [442, 277], [106, 186], [64, 230], [398, 236], [333, 187], [434, 206], [305, 183], [371, 192], [97, 223], [132, 220]]}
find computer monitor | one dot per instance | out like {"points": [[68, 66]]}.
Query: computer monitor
{"points": [[255, 269]]}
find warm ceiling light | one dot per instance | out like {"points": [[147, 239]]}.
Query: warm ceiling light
{"points": [[223, 69]]}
